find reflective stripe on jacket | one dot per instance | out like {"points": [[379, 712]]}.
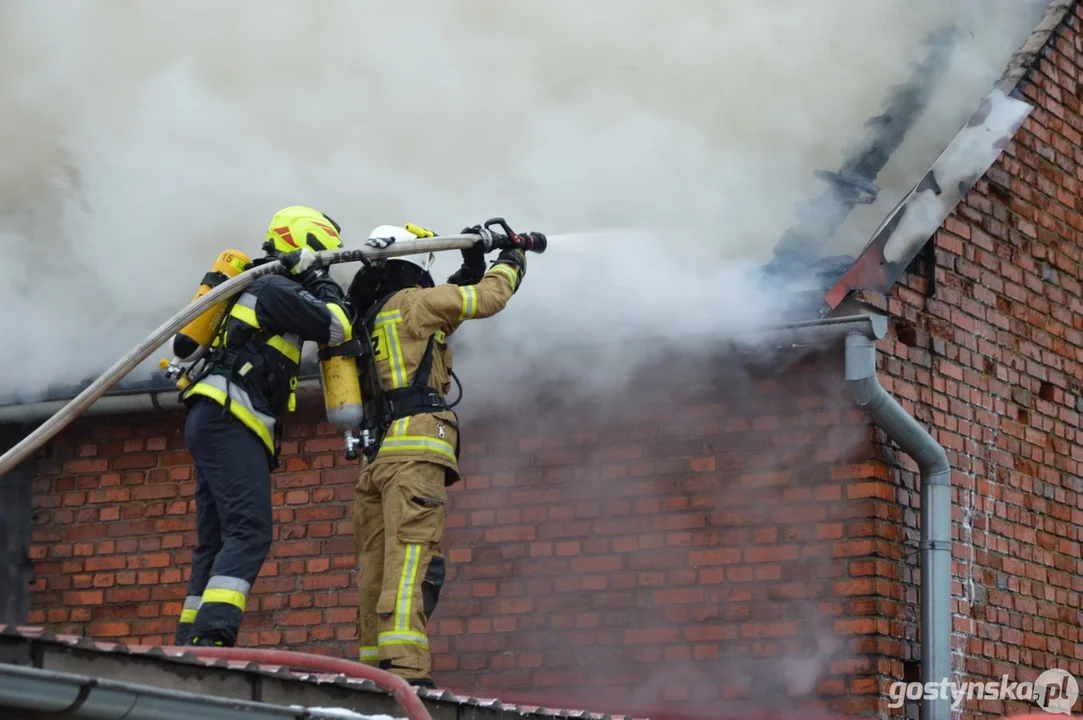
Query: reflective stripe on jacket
{"points": [[401, 332], [274, 317]]}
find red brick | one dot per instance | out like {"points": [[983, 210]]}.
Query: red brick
{"points": [[307, 618], [87, 465]]}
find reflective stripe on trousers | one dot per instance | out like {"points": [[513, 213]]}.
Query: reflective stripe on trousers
{"points": [[218, 388], [404, 600], [399, 521], [191, 606], [227, 590]]}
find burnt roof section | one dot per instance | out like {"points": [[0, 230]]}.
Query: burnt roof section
{"points": [[854, 183], [914, 221]]}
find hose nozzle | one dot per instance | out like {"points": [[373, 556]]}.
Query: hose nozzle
{"points": [[507, 238], [532, 242]]}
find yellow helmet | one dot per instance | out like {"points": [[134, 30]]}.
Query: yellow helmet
{"points": [[299, 227]]}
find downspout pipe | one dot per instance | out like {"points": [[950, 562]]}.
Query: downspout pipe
{"points": [[935, 539]]}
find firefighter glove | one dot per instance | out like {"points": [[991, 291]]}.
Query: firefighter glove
{"points": [[298, 261], [485, 239], [468, 274], [319, 283], [515, 258]]}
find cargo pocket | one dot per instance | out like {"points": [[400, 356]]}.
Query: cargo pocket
{"points": [[422, 516]]}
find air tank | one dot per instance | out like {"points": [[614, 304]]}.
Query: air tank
{"points": [[192, 341], [342, 398]]}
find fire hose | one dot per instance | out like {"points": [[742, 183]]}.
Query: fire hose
{"points": [[67, 414], [398, 688]]}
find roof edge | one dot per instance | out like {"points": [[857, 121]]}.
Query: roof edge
{"points": [[819, 332], [64, 659], [1023, 60]]}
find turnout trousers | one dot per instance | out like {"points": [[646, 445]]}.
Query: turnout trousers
{"points": [[234, 523], [399, 532]]}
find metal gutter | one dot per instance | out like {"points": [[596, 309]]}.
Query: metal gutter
{"points": [[82, 696], [139, 401], [822, 332], [935, 541], [804, 333]]}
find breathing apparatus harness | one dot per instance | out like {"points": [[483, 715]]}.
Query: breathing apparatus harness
{"points": [[224, 361], [383, 406]]}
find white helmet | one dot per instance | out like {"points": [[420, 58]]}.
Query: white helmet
{"points": [[422, 260]]}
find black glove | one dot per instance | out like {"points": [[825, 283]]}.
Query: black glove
{"points": [[261, 261], [485, 239], [516, 258], [317, 282], [473, 267], [468, 274]]}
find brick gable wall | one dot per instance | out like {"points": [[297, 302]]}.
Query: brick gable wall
{"points": [[993, 361]]}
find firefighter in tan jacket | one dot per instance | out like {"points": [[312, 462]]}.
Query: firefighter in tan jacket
{"points": [[402, 492]]}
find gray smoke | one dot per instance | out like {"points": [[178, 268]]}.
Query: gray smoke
{"points": [[141, 138]]}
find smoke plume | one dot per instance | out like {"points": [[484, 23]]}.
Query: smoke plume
{"points": [[661, 586], [141, 138]]}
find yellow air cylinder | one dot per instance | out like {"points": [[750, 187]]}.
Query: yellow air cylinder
{"points": [[196, 335], [342, 398]]}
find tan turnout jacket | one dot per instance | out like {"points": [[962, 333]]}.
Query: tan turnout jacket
{"points": [[400, 334]]}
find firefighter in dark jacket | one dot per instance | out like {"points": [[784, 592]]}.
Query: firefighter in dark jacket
{"points": [[235, 414], [401, 494]]}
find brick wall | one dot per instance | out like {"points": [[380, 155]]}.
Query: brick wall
{"points": [[713, 528], [994, 362]]}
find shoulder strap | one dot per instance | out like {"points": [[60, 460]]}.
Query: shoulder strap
{"points": [[421, 377], [377, 306], [424, 369]]}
